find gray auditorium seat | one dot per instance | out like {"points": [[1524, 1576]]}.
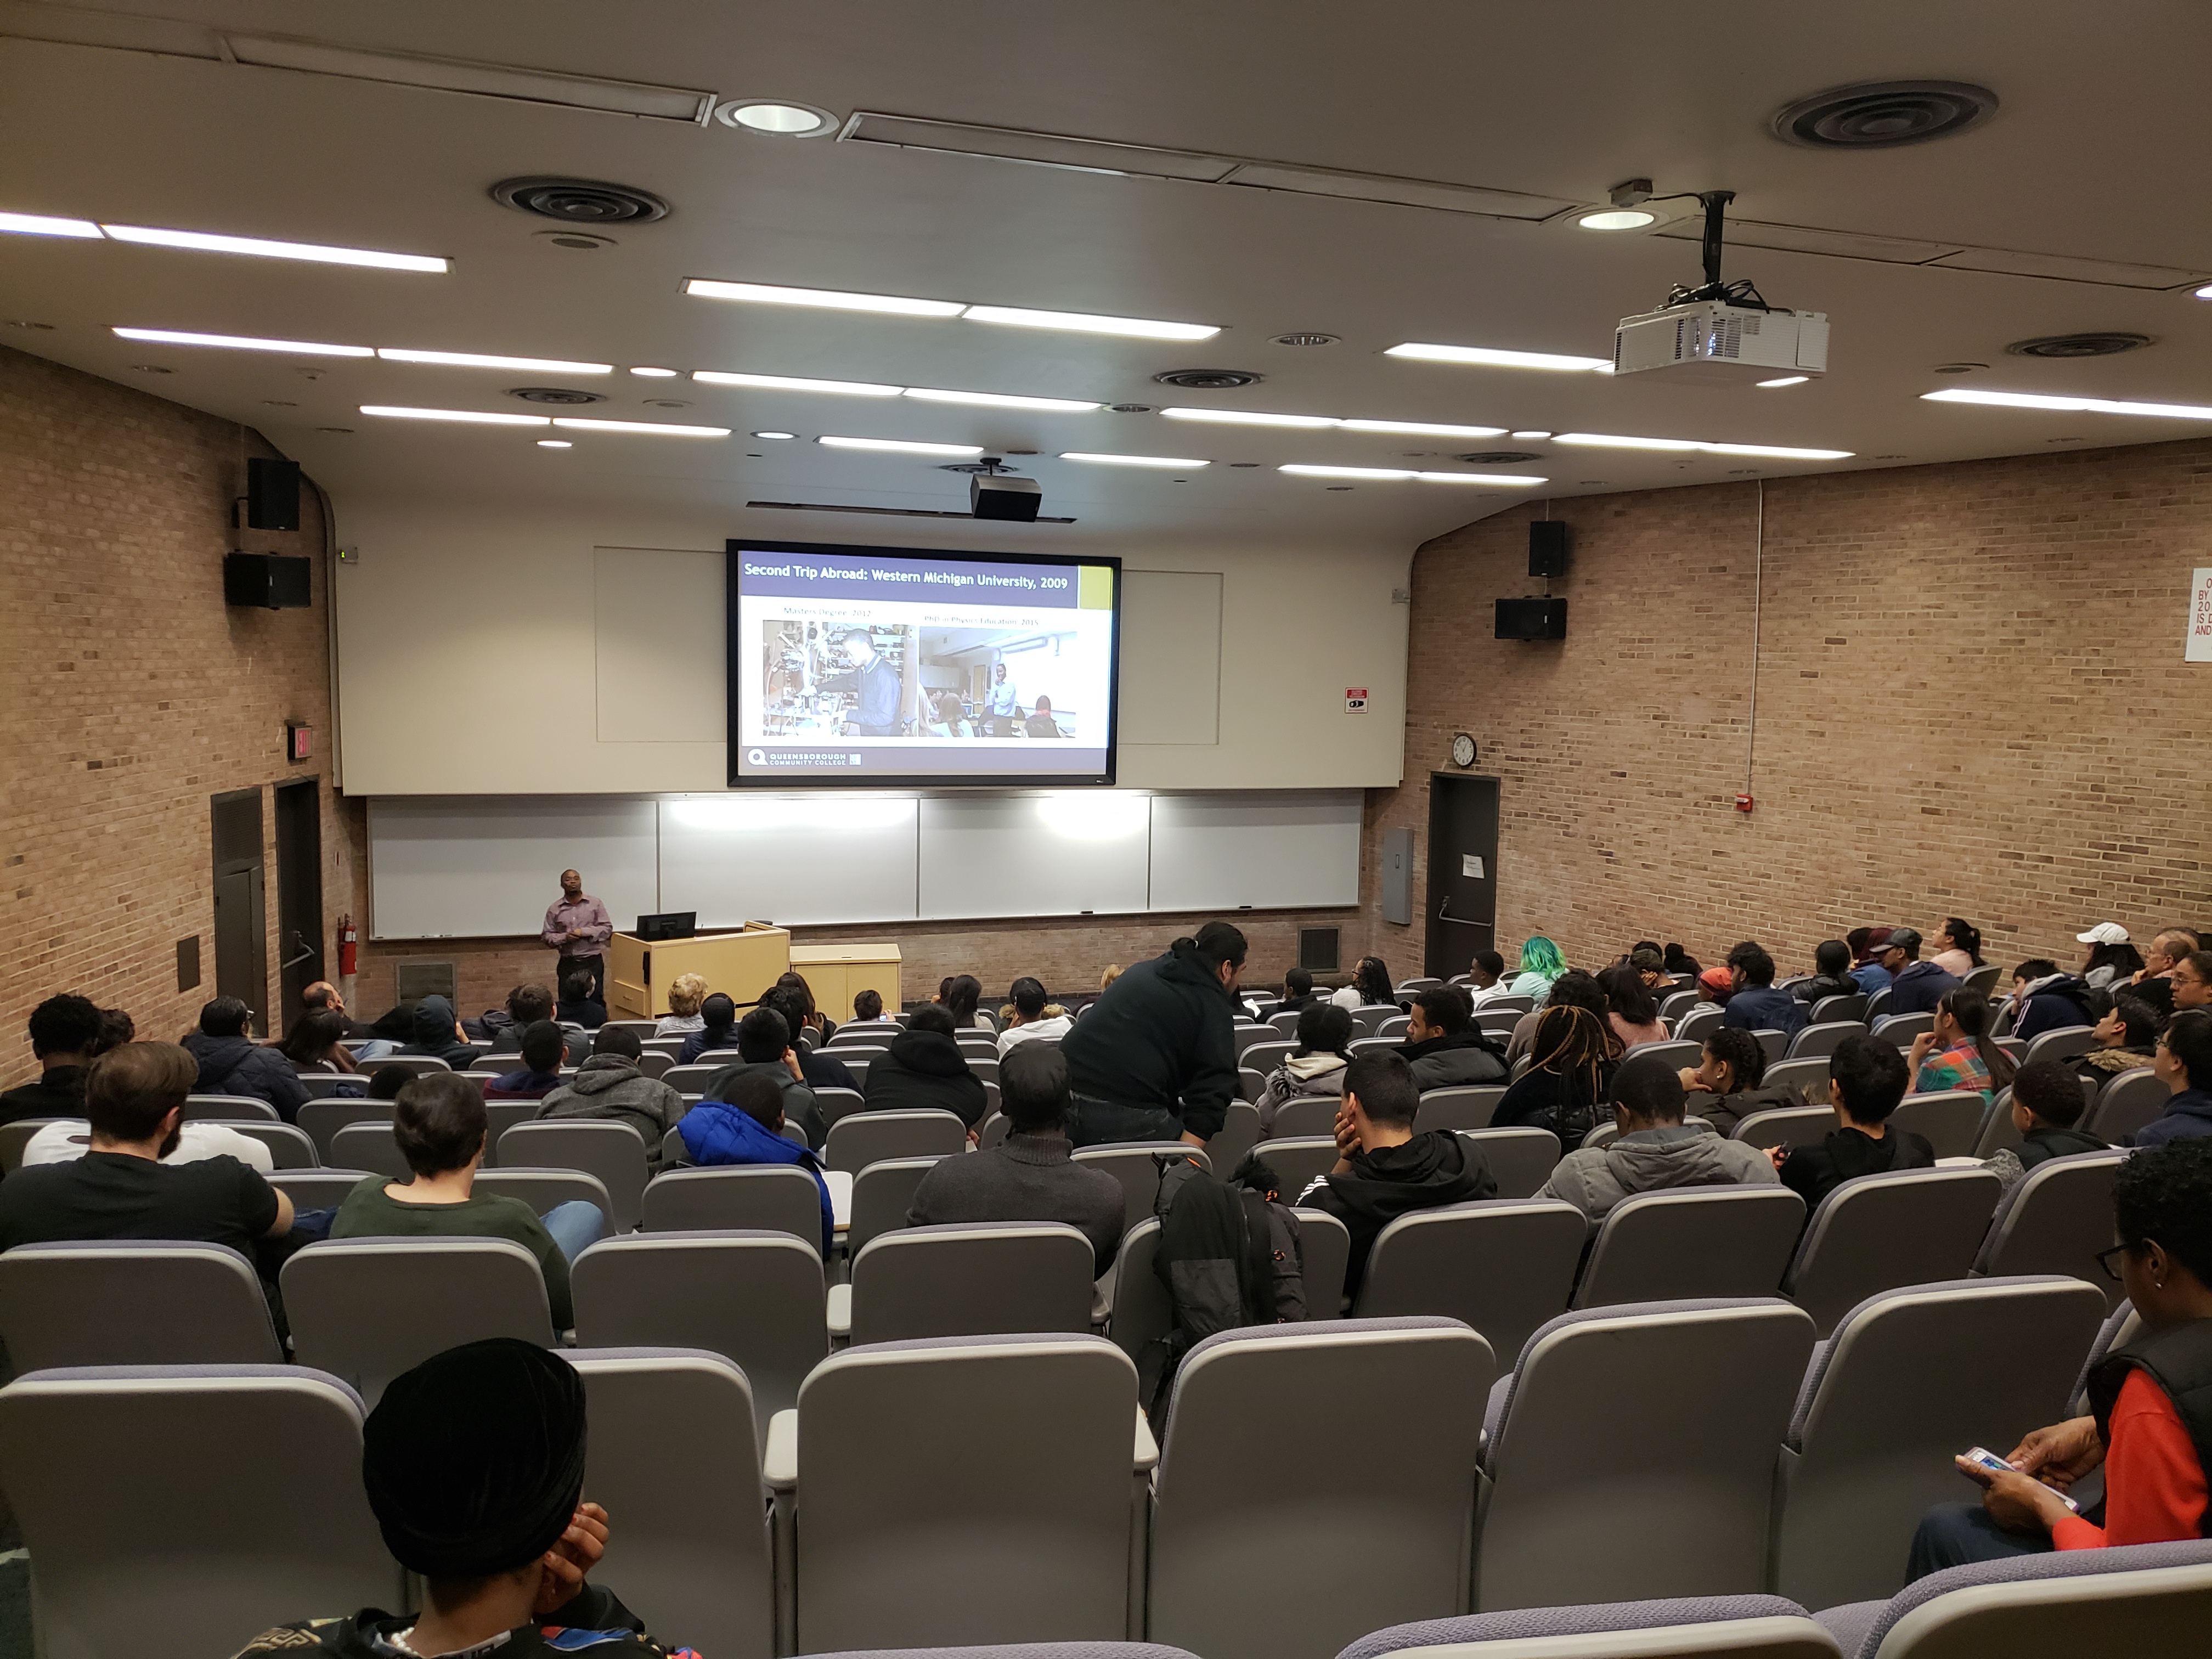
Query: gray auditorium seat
{"points": [[883, 1196], [1901, 1028], [780, 1197], [2055, 1220], [1325, 1247], [693, 1079], [1265, 1056], [1849, 1005], [1503, 1266], [1240, 1133], [654, 1063], [321, 1085], [1910, 1378], [1950, 1122], [1820, 1041], [541, 1189], [13, 1137], [366, 1309], [1250, 1085], [1775, 1043], [1246, 1502], [914, 1533], [1809, 1076], [323, 1119], [1606, 1134], [1140, 1310], [204, 1497], [1521, 1160], [2129, 1103], [1687, 1627], [221, 1108], [833, 1103], [1467, 1107], [133, 1302], [1374, 1045], [2063, 1042], [980, 1279], [318, 1189], [614, 1153], [1660, 1057], [1286, 1025], [368, 1144], [1997, 1131], [1693, 1025], [2122, 1326], [994, 1133], [1705, 1241], [754, 1297], [865, 1137], [1302, 1118], [1295, 1160], [1497, 1021], [2145, 1602], [690, 1545], [289, 1148], [1136, 1164], [415, 1065], [1876, 1232], [1787, 1126], [1877, 1006], [1575, 1512]]}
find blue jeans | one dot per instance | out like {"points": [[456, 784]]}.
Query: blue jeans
{"points": [[1961, 1534], [575, 1227]]}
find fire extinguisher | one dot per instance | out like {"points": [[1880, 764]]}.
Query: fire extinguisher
{"points": [[348, 947]]}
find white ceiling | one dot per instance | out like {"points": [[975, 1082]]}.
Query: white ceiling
{"points": [[2102, 133]]}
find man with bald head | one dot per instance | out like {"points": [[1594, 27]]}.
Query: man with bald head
{"points": [[579, 928]]}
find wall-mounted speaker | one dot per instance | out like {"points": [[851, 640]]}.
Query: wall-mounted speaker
{"points": [[1532, 619], [269, 580], [1547, 547], [273, 494]]}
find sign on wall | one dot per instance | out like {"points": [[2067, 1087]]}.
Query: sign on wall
{"points": [[2200, 617], [1355, 699]]}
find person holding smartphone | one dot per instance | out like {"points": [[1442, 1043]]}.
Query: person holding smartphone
{"points": [[2150, 1421]]}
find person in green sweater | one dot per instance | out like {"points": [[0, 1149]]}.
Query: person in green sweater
{"points": [[440, 1124]]}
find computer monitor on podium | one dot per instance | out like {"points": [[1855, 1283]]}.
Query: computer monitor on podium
{"points": [[675, 923]]}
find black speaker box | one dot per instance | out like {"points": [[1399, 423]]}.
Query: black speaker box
{"points": [[1547, 547], [268, 580], [1532, 619], [272, 495]]}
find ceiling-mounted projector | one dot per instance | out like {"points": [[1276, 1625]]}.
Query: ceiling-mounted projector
{"points": [[992, 493], [1721, 332]]}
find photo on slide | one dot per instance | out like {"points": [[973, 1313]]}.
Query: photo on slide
{"points": [[1026, 684], [823, 679]]}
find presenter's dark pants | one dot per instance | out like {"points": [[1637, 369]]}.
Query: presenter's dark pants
{"points": [[1961, 1534], [1097, 1121], [595, 966]]}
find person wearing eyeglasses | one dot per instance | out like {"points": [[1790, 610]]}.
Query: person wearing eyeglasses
{"points": [[2150, 1420], [2183, 1061]]}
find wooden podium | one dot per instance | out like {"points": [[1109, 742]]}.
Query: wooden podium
{"points": [[740, 965], [838, 973]]}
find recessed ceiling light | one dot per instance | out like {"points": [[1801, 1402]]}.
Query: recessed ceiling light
{"points": [[481, 417], [1380, 472], [554, 443], [1607, 441], [1617, 219], [653, 429], [1423, 428], [1249, 418], [656, 373], [243, 342], [828, 299], [775, 434], [2071, 405], [776, 118], [794, 383], [1079, 322], [1001, 400], [1495, 480], [207, 243], [1785, 379], [1128, 460], [38, 224], [477, 360], [2205, 292], [1492, 357], [902, 445], [1533, 433]]}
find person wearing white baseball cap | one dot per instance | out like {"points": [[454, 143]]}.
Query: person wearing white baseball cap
{"points": [[2110, 958]]}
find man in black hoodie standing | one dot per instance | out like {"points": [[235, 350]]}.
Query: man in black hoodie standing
{"points": [[1445, 1048], [1154, 1058], [1383, 1169]]}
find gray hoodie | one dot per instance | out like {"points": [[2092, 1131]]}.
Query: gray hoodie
{"points": [[1654, 1160], [608, 1086]]}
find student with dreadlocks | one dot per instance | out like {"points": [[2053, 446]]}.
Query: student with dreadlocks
{"points": [[1572, 1061]]}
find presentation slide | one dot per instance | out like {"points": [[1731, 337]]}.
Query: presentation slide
{"points": [[882, 665]]}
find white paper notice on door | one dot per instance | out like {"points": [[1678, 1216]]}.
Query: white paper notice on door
{"points": [[1470, 866], [2200, 615]]}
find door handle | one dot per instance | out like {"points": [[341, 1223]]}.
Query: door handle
{"points": [[304, 949]]}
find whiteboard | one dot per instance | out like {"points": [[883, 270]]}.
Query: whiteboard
{"points": [[792, 860], [447, 867], [1273, 851], [1075, 852]]}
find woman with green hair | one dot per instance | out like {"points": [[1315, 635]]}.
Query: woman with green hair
{"points": [[1541, 964]]}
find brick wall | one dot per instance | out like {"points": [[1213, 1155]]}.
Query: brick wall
{"points": [[132, 694], [1972, 701]]}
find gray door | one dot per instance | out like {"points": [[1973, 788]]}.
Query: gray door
{"points": [[241, 943], [299, 895], [1462, 887]]}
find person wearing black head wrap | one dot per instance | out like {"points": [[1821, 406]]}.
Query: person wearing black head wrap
{"points": [[473, 1463]]}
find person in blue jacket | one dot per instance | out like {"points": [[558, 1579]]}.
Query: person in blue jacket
{"points": [[880, 686], [2184, 1064], [748, 1128]]}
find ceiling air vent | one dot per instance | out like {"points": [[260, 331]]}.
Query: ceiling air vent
{"points": [[1499, 457], [1305, 339], [1880, 114], [580, 201], [2078, 345], [554, 394], [1209, 380]]}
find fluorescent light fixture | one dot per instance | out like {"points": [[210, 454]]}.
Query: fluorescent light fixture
{"points": [[793, 383], [243, 342], [1607, 440], [554, 443], [650, 428], [1099, 458], [477, 360], [1495, 480], [1250, 417], [2204, 293], [1001, 400], [828, 299], [1782, 452], [656, 373], [1423, 428], [1379, 472], [902, 445], [1533, 433], [775, 434], [310, 251], [1079, 322], [1617, 219], [1785, 379], [2071, 405], [480, 417], [38, 224], [1491, 357]]}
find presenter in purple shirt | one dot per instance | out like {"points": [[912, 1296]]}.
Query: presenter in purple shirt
{"points": [[579, 928]]}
